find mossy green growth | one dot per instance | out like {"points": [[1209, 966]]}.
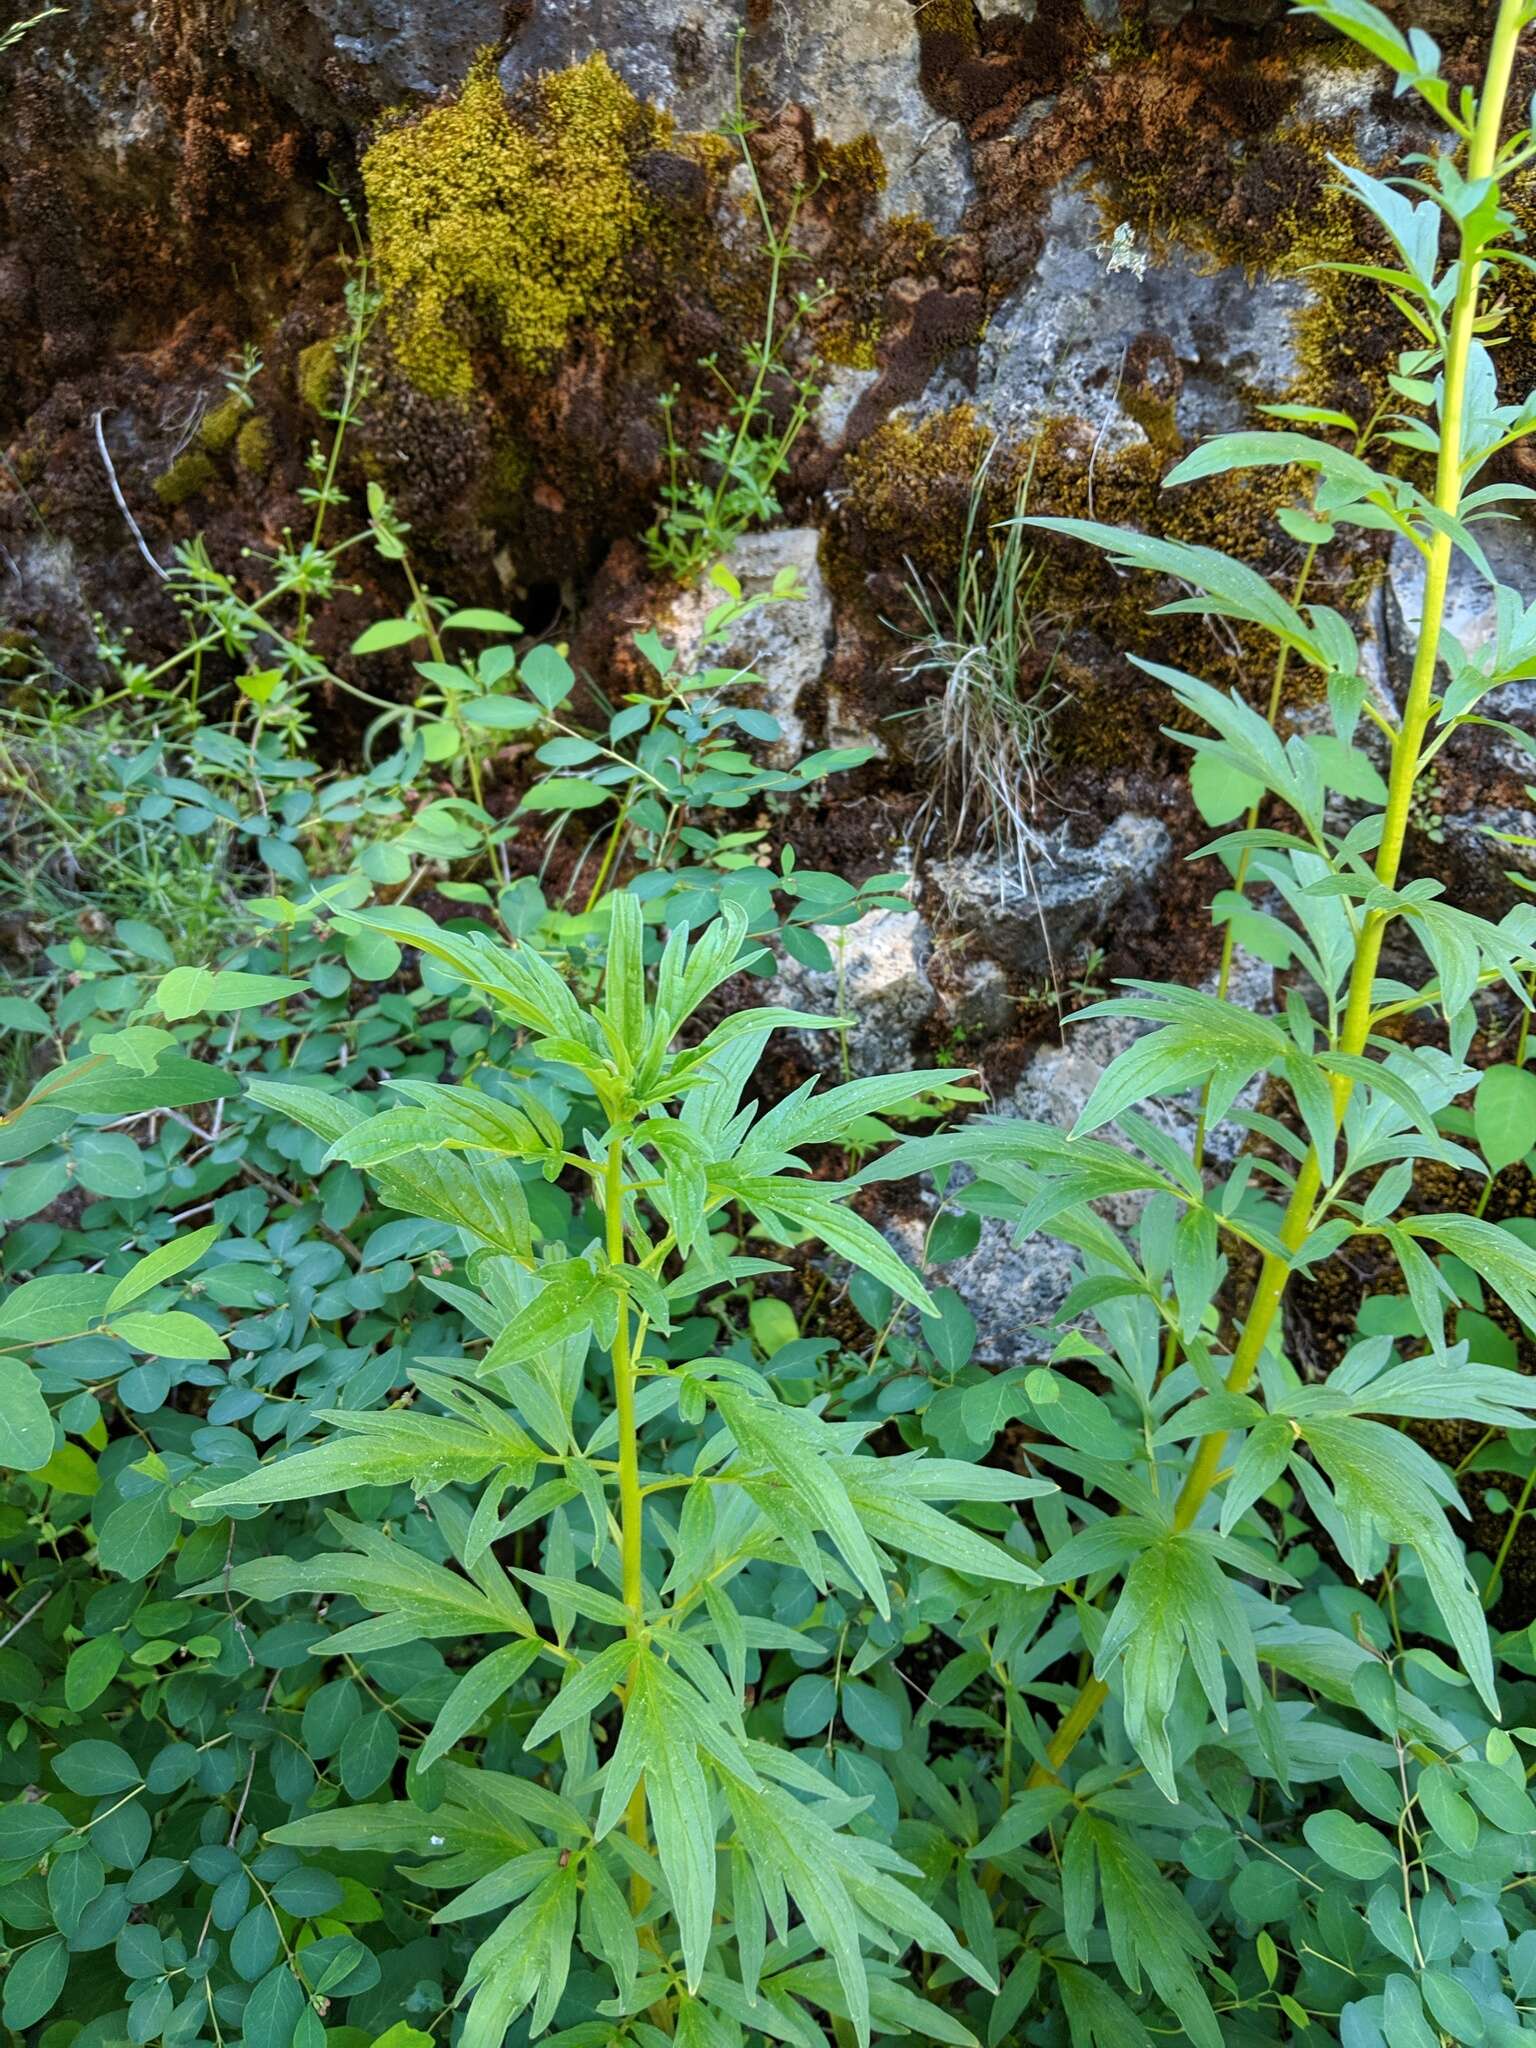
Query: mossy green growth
{"points": [[254, 446], [506, 481], [511, 226], [856, 166], [316, 373], [851, 347], [188, 476], [955, 18], [908, 487], [220, 426]]}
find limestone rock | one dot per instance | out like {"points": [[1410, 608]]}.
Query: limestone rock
{"points": [[1066, 899], [884, 988], [676, 53], [1510, 546], [1058, 1081], [402, 48], [853, 63], [1012, 1290], [1091, 327], [841, 389], [977, 999], [785, 645]]}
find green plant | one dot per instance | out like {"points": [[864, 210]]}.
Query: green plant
{"points": [[711, 499], [615, 1383], [1202, 1454], [238, 382], [657, 783], [167, 1728], [1080, 983], [11, 36], [667, 1151], [984, 736], [263, 643]]}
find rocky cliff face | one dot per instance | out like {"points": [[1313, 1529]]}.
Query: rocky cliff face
{"points": [[1082, 227], [1048, 243]]}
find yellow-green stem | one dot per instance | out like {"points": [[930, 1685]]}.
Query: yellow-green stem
{"points": [[624, 1402], [1269, 1290], [631, 1501], [1491, 1591], [609, 853]]}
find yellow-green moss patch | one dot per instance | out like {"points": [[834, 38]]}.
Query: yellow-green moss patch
{"points": [[857, 166], [316, 373], [187, 476], [220, 426], [254, 447], [514, 227]]}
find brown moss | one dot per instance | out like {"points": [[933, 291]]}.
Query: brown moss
{"points": [[984, 72], [952, 18], [908, 486], [879, 309], [906, 497], [1175, 154], [1197, 149], [1107, 716]]}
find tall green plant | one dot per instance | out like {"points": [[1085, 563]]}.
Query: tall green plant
{"points": [[1206, 1433], [694, 1862]]}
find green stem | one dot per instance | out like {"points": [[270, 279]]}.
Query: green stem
{"points": [[428, 624], [1491, 1590], [631, 1500], [1269, 1290], [624, 1363], [610, 851]]}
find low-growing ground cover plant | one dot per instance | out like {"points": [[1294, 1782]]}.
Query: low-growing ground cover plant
{"points": [[456, 1588]]}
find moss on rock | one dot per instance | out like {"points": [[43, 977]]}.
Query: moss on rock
{"points": [[511, 225], [908, 486], [221, 425], [255, 446], [188, 477], [857, 166], [316, 373]]}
